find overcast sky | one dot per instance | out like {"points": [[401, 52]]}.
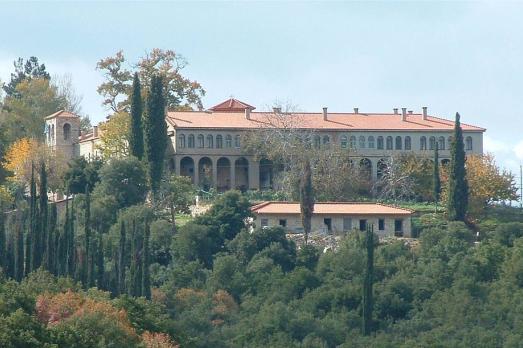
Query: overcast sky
{"points": [[464, 57]]}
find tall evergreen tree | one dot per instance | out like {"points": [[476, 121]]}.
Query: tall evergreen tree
{"points": [[135, 288], [121, 260], [155, 131], [71, 247], [3, 242], [306, 199], [42, 217], [50, 255], [146, 276], [436, 181], [100, 265], [86, 269], [458, 191], [19, 251], [368, 302], [136, 135], [63, 245], [30, 247]]}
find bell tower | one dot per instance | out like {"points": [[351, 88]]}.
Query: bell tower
{"points": [[62, 130]]}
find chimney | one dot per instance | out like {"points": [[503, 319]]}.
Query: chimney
{"points": [[95, 131], [248, 113], [325, 113], [276, 110], [356, 110], [395, 111], [424, 112], [410, 112], [403, 114]]}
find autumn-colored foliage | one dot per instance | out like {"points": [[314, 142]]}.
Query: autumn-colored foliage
{"points": [[187, 297], [158, 340], [114, 136]]}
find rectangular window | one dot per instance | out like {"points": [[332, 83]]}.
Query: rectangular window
{"points": [[264, 222], [347, 224], [328, 223], [363, 225], [381, 224], [398, 227], [283, 222]]}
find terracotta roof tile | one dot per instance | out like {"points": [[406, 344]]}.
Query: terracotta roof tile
{"points": [[232, 105], [61, 113], [334, 121], [332, 208]]}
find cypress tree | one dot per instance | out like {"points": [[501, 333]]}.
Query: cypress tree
{"points": [[436, 181], [368, 282], [146, 276], [136, 134], [50, 255], [3, 246], [86, 267], [155, 131], [42, 217], [30, 248], [63, 252], [10, 254], [100, 263], [457, 202], [71, 249], [306, 199], [133, 269], [19, 251], [121, 260]]}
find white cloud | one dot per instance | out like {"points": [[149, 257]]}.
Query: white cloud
{"points": [[518, 150], [493, 145]]}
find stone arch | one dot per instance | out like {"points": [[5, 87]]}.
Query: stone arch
{"points": [[205, 173], [408, 143], [223, 170], [399, 142], [187, 167], [266, 174], [381, 167], [441, 143], [241, 174]]}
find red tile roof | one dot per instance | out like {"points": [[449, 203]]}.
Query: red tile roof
{"points": [[232, 105], [331, 208], [61, 113], [334, 121]]}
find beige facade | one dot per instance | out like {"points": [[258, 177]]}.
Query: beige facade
{"points": [[336, 218]]}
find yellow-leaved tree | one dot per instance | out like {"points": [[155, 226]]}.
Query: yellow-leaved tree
{"points": [[114, 136], [487, 183]]}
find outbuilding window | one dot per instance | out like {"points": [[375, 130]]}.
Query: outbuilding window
{"points": [[381, 224]]}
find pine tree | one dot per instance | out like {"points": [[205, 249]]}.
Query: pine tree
{"points": [[42, 217], [121, 260], [50, 255], [457, 203], [436, 181], [306, 199], [368, 302], [146, 276], [136, 135], [100, 265], [155, 131], [86, 267]]}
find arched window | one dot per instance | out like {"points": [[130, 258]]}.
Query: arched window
{"points": [[432, 143], [344, 142], [389, 143], [237, 141], [317, 141], [352, 142], [370, 142], [219, 141], [398, 143], [210, 141], [408, 143], [423, 143], [67, 131], [181, 142], [449, 141], [361, 142], [441, 143], [228, 140], [190, 141], [201, 142], [380, 143], [468, 144]]}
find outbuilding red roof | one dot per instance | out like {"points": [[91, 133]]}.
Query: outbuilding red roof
{"points": [[232, 105], [331, 208], [61, 113]]}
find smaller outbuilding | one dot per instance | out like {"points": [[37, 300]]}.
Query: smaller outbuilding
{"points": [[336, 217]]}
